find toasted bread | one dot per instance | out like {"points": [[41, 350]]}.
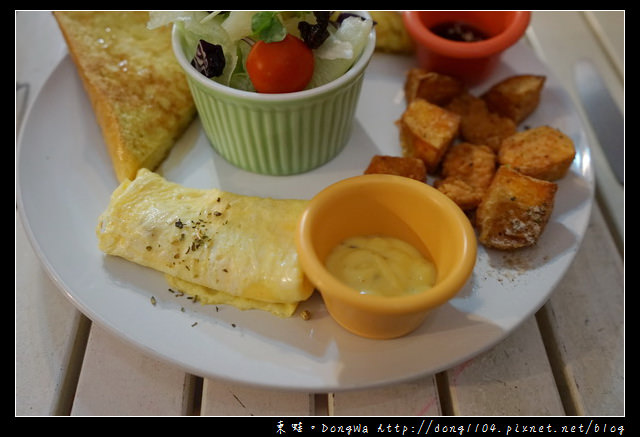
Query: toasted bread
{"points": [[466, 103], [138, 91], [406, 166], [478, 125], [466, 196], [473, 163], [515, 97], [435, 88], [515, 210], [427, 131], [467, 171], [542, 152]]}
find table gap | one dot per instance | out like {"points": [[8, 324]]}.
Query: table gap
{"points": [[320, 405], [193, 395], [610, 220], [444, 394], [556, 363], [69, 385]]}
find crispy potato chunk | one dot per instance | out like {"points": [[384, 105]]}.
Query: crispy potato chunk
{"points": [[542, 152], [473, 163], [478, 125], [515, 97], [486, 128], [465, 104], [427, 131], [391, 35], [406, 166], [435, 88], [464, 195], [514, 210], [467, 171]]}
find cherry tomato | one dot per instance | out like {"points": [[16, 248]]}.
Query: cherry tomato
{"points": [[280, 67]]}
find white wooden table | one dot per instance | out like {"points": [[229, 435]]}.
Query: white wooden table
{"points": [[567, 360]]}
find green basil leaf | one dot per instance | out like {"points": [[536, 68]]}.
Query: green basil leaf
{"points": [[266, 26]]}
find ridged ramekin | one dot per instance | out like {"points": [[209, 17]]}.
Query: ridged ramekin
{"points": [[277, 134]]}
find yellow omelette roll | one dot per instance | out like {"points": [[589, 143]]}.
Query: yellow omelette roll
{"points": [[243, 246], [209, 296]]}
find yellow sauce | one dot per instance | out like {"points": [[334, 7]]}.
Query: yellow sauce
{"points": [[381, 265]]}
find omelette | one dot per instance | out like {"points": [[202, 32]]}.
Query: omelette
{"points": [[222, 247]]}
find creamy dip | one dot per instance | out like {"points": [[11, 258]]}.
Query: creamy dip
{"points": [[381, 265]]}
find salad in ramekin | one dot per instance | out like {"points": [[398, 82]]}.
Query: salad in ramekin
{"points": [[269, 51]]}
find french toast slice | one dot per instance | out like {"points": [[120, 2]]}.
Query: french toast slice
{"points": [[138, 91]]}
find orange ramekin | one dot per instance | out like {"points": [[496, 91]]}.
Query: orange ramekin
{"points": [[471, 62], [393, 206]]}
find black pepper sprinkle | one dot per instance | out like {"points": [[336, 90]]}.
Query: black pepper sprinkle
{"points": [[179, 224], [217, 213]]}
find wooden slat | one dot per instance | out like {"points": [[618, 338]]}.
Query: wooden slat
{"points": [[562, 37], [49, 330], [416, 398], [50, 335], [223, 398], [608, 26], [583, 325], [119, 380], [514, 378]]}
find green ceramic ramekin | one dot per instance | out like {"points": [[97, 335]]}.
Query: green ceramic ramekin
{"points": [[277, 134]]}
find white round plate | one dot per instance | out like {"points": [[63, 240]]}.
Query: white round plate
{"points": [[65, 178]]}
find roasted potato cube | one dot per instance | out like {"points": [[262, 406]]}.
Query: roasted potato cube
{"points": [[465, 104], [426, 131], [515, 210], [406, 166], [515, 97], [486, 128], [391, 35], [542, 152], [464, 195], [473, 163], [478, 125], [467, 170], [435, 88]]}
